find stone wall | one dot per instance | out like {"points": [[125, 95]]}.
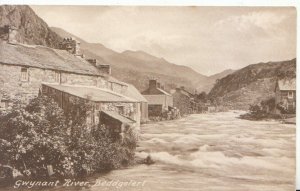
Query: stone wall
{"points": [[182, 102], [12, 88], [130, 110]]}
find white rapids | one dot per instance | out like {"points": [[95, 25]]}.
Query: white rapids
{"points": [[216, 151]]}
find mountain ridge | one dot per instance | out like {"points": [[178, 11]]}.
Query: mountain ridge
{"points": [[252, 83], [140, 62], [135, 67]]}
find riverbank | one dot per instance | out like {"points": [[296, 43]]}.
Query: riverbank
{"points": [[214, 151]]}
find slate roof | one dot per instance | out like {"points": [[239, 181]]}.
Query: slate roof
{"points": [[46, 58], [92, 93], [134, 93], [54, 59], [286, 84], [118, 117], [164, 92], [156, 91]]}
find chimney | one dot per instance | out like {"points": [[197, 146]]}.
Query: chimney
{"points": [[71, 45], [103, 68], [152, 84], [9, 34], [13, 35], [92, 61]]}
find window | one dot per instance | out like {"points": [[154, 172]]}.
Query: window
{"points": [[120, 109], [98, 106], [24, 74], [4, 104], [290, 95], [57, 77]]}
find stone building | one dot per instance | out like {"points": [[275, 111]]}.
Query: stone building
{"points": [[184, 101], [285, 95], [158, 99], [29, 70]]}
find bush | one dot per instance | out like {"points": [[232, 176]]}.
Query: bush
{"points": [[41, 134], [33, 137]]}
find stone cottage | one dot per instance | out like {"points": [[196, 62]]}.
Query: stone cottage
{"points": [[285, 95], [158, 99], [184, 101], [29, 70]]}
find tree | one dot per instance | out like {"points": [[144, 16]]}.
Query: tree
{"points": [[34, 137], [40, 134], [202, 97]]}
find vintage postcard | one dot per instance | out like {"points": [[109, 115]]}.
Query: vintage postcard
{"points": [[161, 98]]}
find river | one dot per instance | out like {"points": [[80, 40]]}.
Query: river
{"points": [[216, 151]]}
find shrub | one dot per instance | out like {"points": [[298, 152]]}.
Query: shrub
{"points": [[33, 137], [41, 134]]}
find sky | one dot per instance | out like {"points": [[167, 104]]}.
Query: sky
{"points": [[207, 39]]}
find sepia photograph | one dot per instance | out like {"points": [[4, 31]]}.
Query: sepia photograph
{"points": [[147, 97]]}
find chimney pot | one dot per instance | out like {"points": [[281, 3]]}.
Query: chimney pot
{"points": [[10, 34], [71, 45]]}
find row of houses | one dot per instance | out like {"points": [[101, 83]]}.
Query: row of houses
{"points": [[64, 74], [160, 101], [27, 71]]}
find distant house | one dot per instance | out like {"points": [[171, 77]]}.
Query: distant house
{"points": [[158, 99], [184, 101], [29, 70], [285, 95]]}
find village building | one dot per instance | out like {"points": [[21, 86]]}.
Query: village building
{"points": [[184, 101], [285, 95], [159, 100], [27, 71]]}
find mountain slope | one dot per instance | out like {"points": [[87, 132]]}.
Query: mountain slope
{"points": [[32, 29], [135, 67], [138, 67], [251, 84], [211, 80]]}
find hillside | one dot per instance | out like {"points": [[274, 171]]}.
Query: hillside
{"points": [[251, 84], [132, 65], [135, 67], [210, 81], [32, 29]]}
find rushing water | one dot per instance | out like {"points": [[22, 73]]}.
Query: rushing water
{"points": [[209, 152], [213, 152]]}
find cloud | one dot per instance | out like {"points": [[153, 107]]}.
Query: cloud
{"points": [[265, 21], [209, 39]]}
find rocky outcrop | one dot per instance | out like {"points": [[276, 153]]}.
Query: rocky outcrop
{"points": [[251, 84], [32, 29]]}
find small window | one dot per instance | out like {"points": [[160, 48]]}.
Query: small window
{"points": [[290, 95], [4, 104], [121, 109], [24, 74], [57, 77]]}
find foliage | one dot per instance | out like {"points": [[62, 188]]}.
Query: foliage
{"points": [[41, 134], [33, 137], [261, 110], [202, 97]]}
